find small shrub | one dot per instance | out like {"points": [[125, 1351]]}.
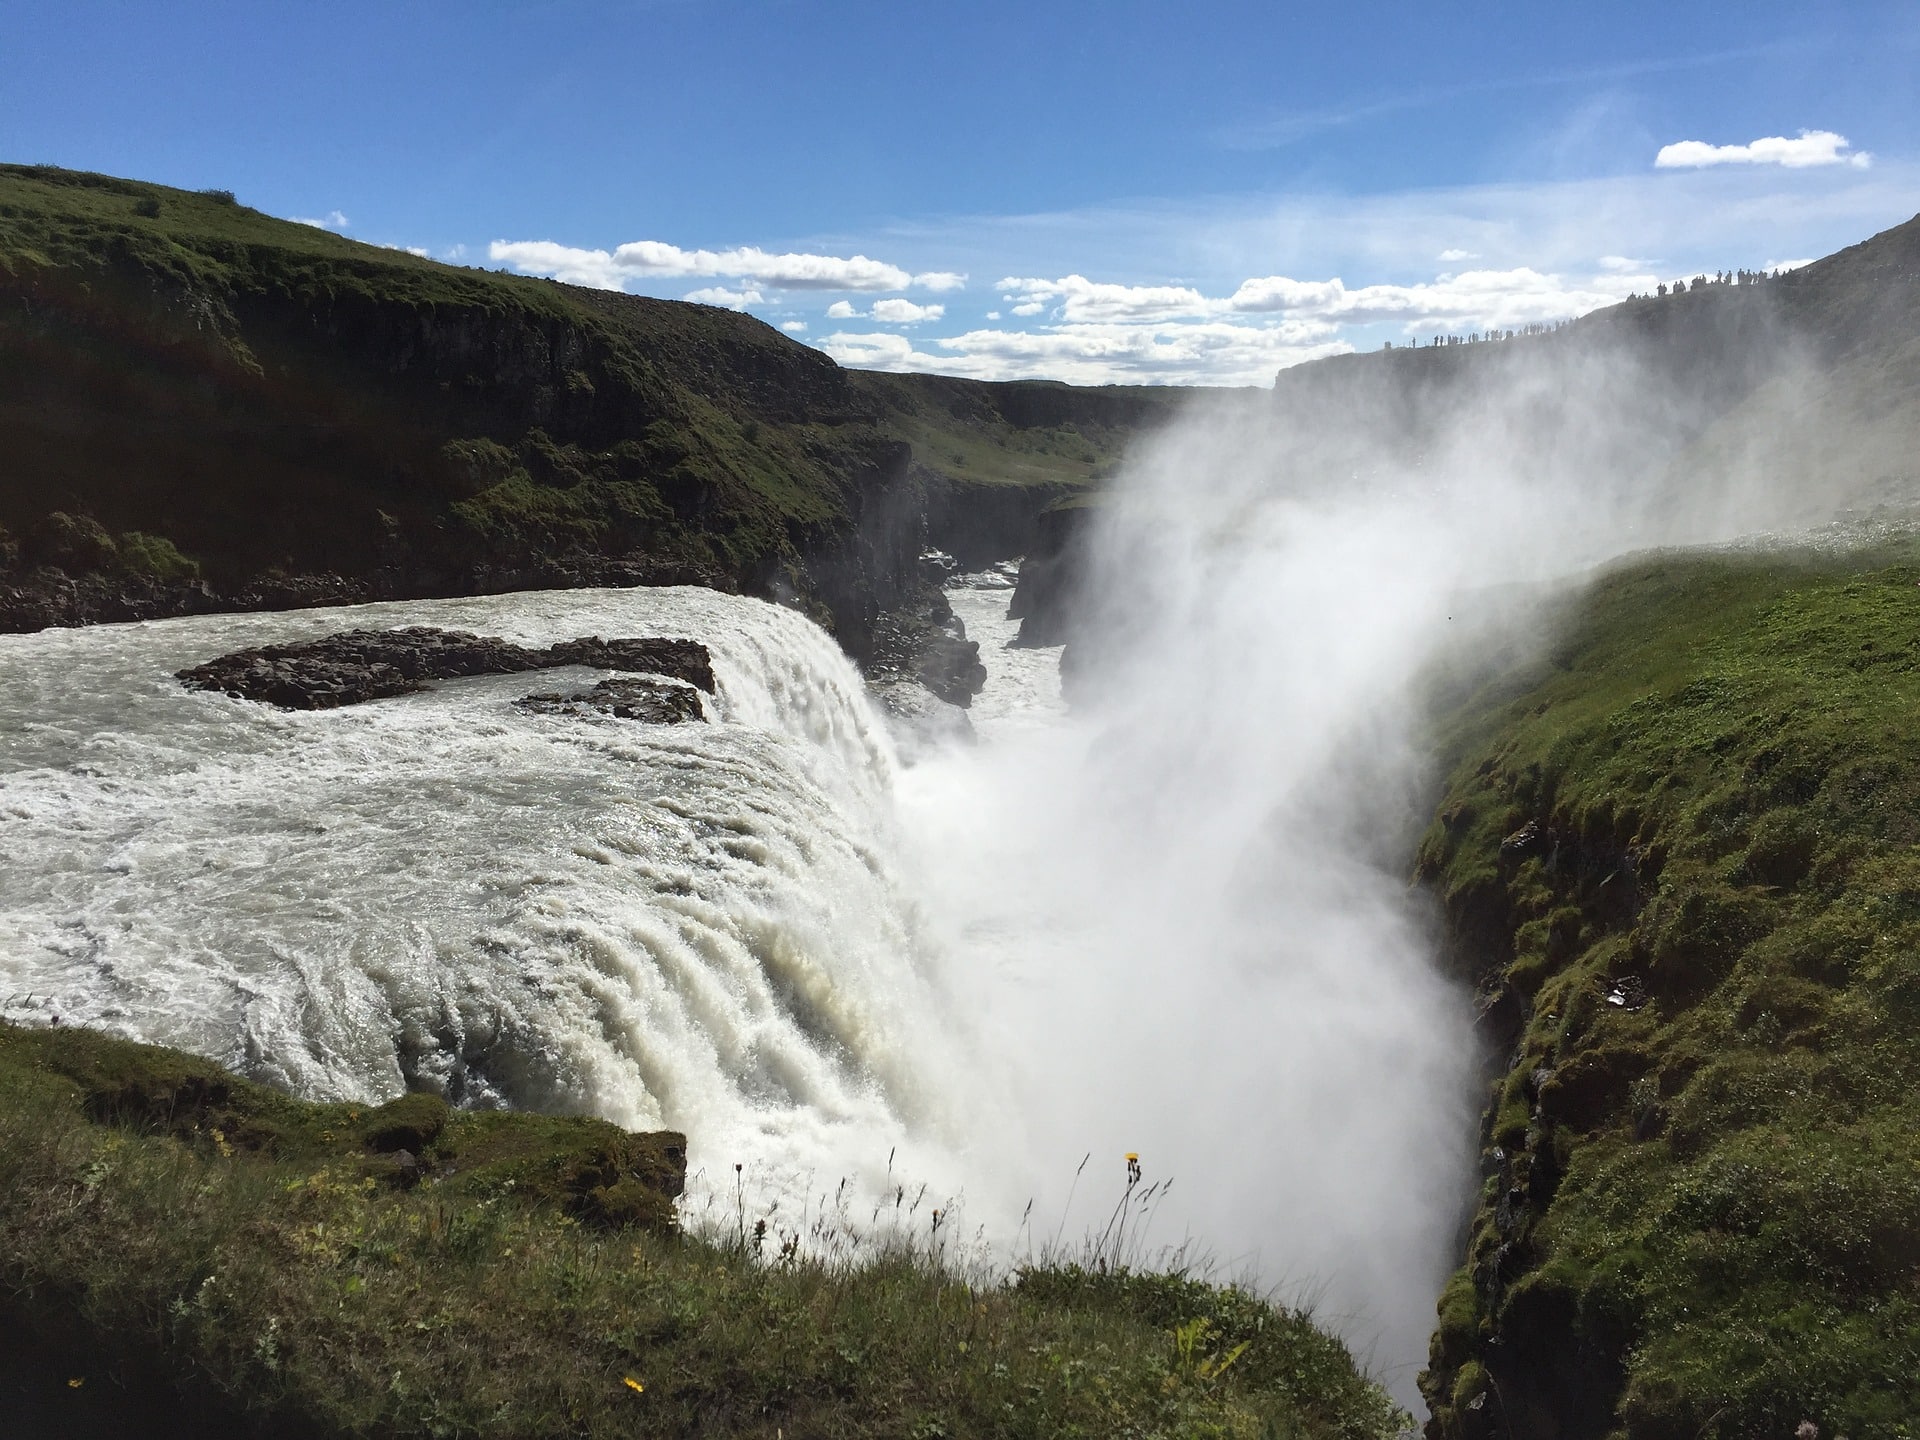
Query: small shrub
{"points": [[72, 542], [155, 557]]}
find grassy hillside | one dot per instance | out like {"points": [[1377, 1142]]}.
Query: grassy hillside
{"points": [[194, 394], [1681, 862], [182, 1253]]}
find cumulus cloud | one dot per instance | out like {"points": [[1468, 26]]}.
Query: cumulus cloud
{"points": [[938, 280], [1100, 333], [842, 310], [1080, 300], [1474, 299], [727, 299], [905, 312], [1449, 257], [1810, 148], [333, 220], [1203, 353], [655, 259], [794, 327]]}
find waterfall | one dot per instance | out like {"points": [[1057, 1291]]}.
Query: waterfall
{"points": [[702, 926]]}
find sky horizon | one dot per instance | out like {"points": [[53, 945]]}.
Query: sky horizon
{"points": [[1117, 193]]}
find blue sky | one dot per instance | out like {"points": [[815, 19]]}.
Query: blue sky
{"points": [[1094, 192]]}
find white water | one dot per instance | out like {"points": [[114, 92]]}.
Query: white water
{"points": [[700, 925]]}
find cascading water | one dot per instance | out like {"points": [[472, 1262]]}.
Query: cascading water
{"points": [[1173, 922], [699, 925]]}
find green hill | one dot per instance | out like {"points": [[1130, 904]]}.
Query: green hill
{"points": [[203, 406]]}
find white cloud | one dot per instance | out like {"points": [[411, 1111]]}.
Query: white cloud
{"points": [[938, 280], [333, 220], [1081, 300], [1620, 264], [993, 314], [1812, 147], [1472, 300], [1450, 256], [654, 259], [727, 299], [905, 312], [794, 327], [1207, 353], [420, 250], [841, 310], [562, 262]]}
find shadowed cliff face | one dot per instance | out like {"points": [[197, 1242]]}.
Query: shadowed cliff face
{"points": [[275, 402], [300, 418]]}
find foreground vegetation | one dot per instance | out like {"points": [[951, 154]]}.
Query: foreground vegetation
{"points": [[1680, 857], [176, 1242]]}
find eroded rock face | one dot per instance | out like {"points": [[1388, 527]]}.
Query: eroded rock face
{"points": [[362, 665], [658, 702]]}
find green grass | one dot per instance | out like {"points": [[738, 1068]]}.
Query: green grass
{"points": [[1019, 433], [160, 1215], [1702, 1206]]}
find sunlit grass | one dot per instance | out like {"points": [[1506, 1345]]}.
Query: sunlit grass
{"points": [[1681, 860], [278, 1268]]}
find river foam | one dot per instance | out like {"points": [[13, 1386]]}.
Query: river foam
{"points": [[702, 926]]}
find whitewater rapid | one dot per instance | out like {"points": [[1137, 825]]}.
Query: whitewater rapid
{"points": [[702, 926], [1072, 937]]}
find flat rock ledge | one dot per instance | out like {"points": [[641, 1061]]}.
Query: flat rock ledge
{"points": [[360, 665]]}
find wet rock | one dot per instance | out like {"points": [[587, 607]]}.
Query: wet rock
{"points": [[361, 665], [657, 702], [921, 721], [950, 665]]}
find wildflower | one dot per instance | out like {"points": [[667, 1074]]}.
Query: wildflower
{"points": [[1133, 1168], [633, 1384]]}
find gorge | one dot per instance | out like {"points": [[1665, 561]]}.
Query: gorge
{"points": [[1172, 921]]}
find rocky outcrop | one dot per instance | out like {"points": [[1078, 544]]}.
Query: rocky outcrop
{"points": [[360, 665], [1051, 576], [658, 702]]}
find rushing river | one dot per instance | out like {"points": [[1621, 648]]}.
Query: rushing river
{"points": [[701, 925]]}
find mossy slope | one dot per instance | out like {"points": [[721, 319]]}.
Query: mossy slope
{"points": [[179, 1242], [1681, 862]]}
